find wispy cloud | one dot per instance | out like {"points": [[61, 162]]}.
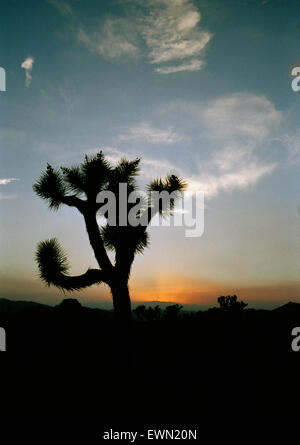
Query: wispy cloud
{"points": [[169, 28], [4, 181], [146, 133], [3, 196], [117, 37], [242, 115], [193, 65], [27, 65], [237, 132], [158, 168], [243, 177], [172, 34], [62, 7], [292, 144], [211, 183], [241, 124]]}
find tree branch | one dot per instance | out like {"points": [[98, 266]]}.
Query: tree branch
{"points": [[90, 277], [53, 267], [96, 241], [74, 201]]}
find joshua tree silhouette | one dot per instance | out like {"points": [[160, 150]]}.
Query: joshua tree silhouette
{"points": [[78, 187]]}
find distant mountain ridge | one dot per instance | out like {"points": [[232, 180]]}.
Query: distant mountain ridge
{"points": [[7, 305], [290, 306]]}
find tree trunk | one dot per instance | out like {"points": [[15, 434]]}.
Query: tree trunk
{"points": [[122, 335], [121, 301]]}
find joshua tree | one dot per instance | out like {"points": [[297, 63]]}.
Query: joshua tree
{"points": [[78, 187]]}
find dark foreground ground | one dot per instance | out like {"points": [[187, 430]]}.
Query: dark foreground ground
{"points": [[76, 367]]}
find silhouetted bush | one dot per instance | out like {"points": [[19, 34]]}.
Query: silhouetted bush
{"points": [[140, 312], [230, 303], [153, 314], [172, 312], [149, 314]]}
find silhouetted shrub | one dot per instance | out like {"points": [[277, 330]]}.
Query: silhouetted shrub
{"points": [[149, 314], [153, 313], [140, 312], [230, 303], [172, 312]]}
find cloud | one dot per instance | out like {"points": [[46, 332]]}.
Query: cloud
{"points": [[241, 125], [145, 133], [153, 168], [228, 147], [212, 184], [240, 178], [27, 66], [170, 30], [2, 196], [116, 38], [172, 34], [62, 7], [242, 115], [193, 65], [235, 140], [292, 143], [4, 181]]}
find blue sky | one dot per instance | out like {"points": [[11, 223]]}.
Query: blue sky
{"points": [[199, 88]]}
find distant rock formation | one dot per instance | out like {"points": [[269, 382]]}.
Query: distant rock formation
{"points": [[69, 305]]}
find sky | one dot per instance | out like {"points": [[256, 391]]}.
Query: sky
{"points": [[198, 88]]}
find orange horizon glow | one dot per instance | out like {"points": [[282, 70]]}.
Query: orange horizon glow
{"points": [[163, 288]]}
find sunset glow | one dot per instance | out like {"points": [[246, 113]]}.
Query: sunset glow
{"points": [[192, 92]]}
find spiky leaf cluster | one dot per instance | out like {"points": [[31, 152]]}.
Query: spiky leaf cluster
{"points": [[127, 238], [51, 187], [173, 186], [90, 177], [51, 260], [124, 173]]}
